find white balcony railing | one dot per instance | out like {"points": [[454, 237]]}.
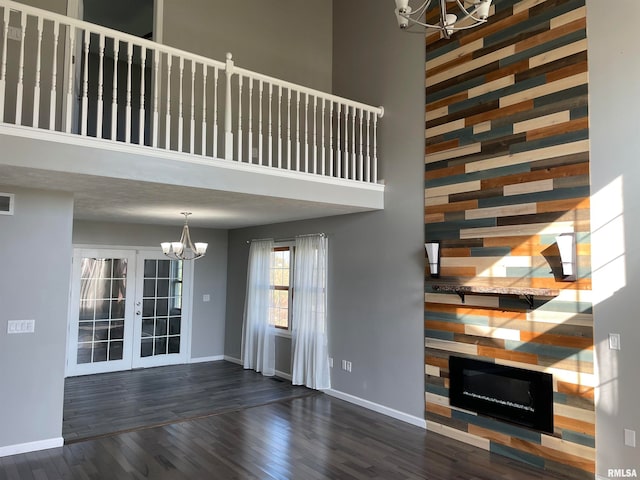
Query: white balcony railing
{"points": [[70, 76]]}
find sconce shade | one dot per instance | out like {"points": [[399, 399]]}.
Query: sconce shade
{"points": [[567, 248], [433, 257]]}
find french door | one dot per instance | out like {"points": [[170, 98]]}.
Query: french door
{"points": [[127, 310]]}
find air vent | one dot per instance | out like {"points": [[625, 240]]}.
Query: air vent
{"points": [[6, 203]]}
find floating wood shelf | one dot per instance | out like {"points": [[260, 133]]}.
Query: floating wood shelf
{"points": [[490, 287]]}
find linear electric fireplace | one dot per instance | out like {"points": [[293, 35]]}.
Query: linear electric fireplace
{"points": [[519, 396]]}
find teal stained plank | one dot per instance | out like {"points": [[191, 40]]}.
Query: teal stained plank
{"points": [[560, 194], [556, 97], [545, 47], [455, 318], [498, 426], [550, 141], [439, 334], [517, 455], [550, 350]]}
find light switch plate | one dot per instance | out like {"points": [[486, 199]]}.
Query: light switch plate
{"points": [[206, 297], [629, 437], [614, 341]]}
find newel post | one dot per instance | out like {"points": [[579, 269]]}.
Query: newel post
{"points": [[228, 134]]}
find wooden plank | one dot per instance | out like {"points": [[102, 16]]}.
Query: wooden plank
{"points": [[529, 156], [453, 188], [565, 51], [502, 211], [543, 121], [528, 187], [451, 347], [520, 357], [453, 153], [548, 88], [573, 15], [441, 147], [444, 172], [558, 129], [552, 454], [445, 128], [492, 86]]}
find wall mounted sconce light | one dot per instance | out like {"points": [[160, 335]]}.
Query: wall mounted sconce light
{"points": [[567, 248], [433, 257]]}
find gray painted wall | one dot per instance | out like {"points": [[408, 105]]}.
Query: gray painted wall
{"points": [[376, 259], [615, 149], [210, 272], [35, 254], [288, 39]]}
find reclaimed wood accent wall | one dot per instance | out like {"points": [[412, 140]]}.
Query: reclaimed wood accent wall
{"points": [[506, 169]]}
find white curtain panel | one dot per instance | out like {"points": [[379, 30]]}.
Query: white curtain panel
{"points": [[258, 337], [309, 336]]}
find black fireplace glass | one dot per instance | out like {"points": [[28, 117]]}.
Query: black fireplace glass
{"points": [[523, 397]]}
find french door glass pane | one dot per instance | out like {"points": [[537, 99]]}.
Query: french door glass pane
{"points": [[102, 301], [161, 307]]}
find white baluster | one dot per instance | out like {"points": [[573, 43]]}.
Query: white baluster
{"points": [[270, 138], [204, 110], [99, 114], [354, 172], [156, 87], [260, 131], [228, 118], [298, 157], [114, 96], [368, 161], [215, 112], [192, 130], [360, 153], [3, 66], [127, 127], [338, 152], [324, 150], [180, 105], [314, 165], [167, 126], [279, 127], [306, 133], [86, 40], [69, 107], [240, 87], [142, 118], [289, 129], [250, 123], [54, 77], [36, 89], [374, 175], [331, 138], [346, 142], [20, 87]]}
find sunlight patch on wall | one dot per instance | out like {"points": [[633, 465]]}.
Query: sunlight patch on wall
{"points": [[607, 239]]}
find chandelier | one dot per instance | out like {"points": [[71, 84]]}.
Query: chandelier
{"points": [[471, 13], [184, 249]]}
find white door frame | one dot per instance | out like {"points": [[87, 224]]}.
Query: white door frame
{"points": [[133, 254], [185, 327], [72, 367]]}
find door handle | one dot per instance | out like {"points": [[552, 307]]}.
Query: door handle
{"points": [[138, 312]]}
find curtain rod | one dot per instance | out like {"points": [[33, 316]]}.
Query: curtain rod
{"points": [[290, 239]]}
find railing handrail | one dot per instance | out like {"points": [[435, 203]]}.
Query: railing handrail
{"points": [[310, 91], [94, 28]]}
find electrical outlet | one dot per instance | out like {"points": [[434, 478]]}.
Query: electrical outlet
{"points": [[206, 297], [348, 367], [344, 364], [629, 437]]}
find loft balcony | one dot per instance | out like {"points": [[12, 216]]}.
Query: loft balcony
{"points": [[103, 114]]}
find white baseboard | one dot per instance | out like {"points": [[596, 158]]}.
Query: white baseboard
{"points": [[233, 360], [31, 446], [207, 359], [376, 407], [286, 376]]}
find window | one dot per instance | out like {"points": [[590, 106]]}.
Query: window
{"points": [[281, 289]]}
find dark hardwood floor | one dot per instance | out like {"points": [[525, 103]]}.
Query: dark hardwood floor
{"points": [[96, 405], [309, 437]]}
